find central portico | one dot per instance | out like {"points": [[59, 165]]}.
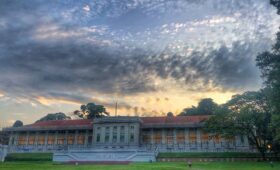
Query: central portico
{"points": [[116, 131]]}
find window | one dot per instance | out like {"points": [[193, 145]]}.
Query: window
{"points": [[169, 136], [122, 133], [98, 135], [22, 139], [217, 139], [41, 139], [131, 138], [51, 139], [131, 134], [192, 135], [60, 138], [204, 137], [180, 136], [115, 130], [70, 139], [98, 138], [31, 139], [146, 137], [157, 136], [81, 138], [89, 140], [107, 134]]}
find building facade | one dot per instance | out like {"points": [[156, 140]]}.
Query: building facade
{"points": [[166, 134]]}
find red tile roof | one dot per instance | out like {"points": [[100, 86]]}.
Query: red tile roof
{"points": [[174, 120], [87, 123], [61, 123]]}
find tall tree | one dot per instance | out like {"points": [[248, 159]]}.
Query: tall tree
{"points": [[91, 111], [18, 123], [54, 116], [269, 64], [247, 114]]}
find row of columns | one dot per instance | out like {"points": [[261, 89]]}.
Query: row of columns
{"points": [[198, 134], [14, 137]]}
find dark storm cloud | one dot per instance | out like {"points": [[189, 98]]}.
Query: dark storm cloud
{"points": [[31, 65]]}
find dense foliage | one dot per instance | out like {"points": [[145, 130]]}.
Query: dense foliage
{"points": [[205, 107], [247, 114], [18, 123], [91, 111], [54, 116]]}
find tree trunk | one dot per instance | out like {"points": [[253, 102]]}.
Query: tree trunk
{"points": [[263, 155]]}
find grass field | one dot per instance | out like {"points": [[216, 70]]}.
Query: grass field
{"points": [[208, 155], [142, 166]]}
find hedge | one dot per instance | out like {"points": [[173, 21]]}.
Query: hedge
{"points": [[29, 157]]}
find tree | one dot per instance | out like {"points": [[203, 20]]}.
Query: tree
{"points": [[205, 107], [91, 111], [276, 3], [247, 114], [169, 114], [54, 116], [189, 111], [18, 123], [269, 64]]}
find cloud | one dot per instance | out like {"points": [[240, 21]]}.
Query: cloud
{"points": [[76, 52]]}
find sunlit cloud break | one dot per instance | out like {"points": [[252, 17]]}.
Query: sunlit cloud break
{"points": [[58, 54]]}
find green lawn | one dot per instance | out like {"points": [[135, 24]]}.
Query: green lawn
{"points": [[142, 166], [208, 155]]}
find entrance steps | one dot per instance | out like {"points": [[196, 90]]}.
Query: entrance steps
{"points": [[105, 155]]}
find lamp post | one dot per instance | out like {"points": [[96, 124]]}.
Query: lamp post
{"points": [[269, 146]]}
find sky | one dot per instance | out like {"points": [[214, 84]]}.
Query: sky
{"points": [[150, 56]]}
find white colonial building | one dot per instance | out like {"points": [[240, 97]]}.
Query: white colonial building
{"points": [[101, 137]]}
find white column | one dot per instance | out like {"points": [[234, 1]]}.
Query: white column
{"points": [[152, 136], [86, 137], [16, 138], [36, 138], [46, 140], [26, 138], [76, 137], [118, 134], [198, 139], [126, 136], [65, 137], [35, 146], [186, 136], [163, 136], [102, 134], [111, 134], [11, 137], [55, 138], [175, 136], [46, 137]]}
